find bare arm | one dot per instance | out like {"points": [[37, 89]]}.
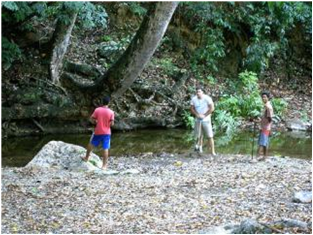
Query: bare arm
{"points": [[112, 119], [93, 120], [193, 111], [211, 110]]}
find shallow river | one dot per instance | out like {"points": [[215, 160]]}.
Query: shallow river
{"points": [[19, 151]]}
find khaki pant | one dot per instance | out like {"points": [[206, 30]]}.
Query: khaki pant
{"points": [[203, 128]]}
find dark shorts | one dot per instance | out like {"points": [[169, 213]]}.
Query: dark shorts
{"points": [[97, 139], [264, 140]]}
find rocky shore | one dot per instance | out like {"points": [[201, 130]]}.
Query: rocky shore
{"points": [[156, 193]]}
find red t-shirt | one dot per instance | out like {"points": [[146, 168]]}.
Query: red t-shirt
{"points": [[104, 117]]}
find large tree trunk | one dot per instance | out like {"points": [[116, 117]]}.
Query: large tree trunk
{"points": [[129, 66], [60, 42], [125, 71]]}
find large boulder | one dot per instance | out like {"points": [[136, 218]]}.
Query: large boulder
{"points": [[57, 154], [63, 156]]}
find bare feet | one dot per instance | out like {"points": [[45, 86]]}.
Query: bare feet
{"points": [[261, 159], [105, 167]]}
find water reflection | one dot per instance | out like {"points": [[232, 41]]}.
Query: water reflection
{"points": [[19, 151]]}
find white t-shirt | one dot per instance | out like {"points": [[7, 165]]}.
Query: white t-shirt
{"points": [[202, 105]]}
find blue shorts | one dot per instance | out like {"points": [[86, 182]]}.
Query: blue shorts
{"points": [[264, 140], [105, 139]]}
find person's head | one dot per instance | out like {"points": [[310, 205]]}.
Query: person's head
{"points": [[199, 92], [266, 96], [106, 100]]}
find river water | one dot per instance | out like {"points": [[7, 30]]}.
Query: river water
{"points": [[17, 152]]}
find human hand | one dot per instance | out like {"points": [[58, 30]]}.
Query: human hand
{"points": [[201, 116], [257, 120]]}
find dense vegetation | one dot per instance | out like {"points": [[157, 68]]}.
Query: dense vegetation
{"points": [[230, 43]]}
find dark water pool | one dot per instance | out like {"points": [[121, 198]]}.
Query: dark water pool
{"points": [[19, 151]]}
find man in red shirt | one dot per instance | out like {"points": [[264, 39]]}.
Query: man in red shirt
{"points": [[103, 117]]}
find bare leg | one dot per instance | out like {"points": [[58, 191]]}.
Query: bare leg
{"points": [[200, 144], [265, 152], [105, 156], [201, 140], [211, 144], [261, 151], [89, 149]]}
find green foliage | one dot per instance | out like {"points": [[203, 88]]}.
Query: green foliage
{"points": [[14, 12], [112, 49], [137, 9], [188, 120], [248, 81], [226, 121], [273, 5], [92, 16], [93, 162], [304, 116], [112, 45], [271, 22], [24, 14], [212, 49], [258, 55], [279, 106], [211, 80], [168, 66], [10, 53], [241, 101], [89, 15], [12, 6], [106, 38], [249, 95], [261, 27], [242, 98]]}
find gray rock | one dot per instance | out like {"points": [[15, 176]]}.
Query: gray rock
{"points": [[249, 226], [106, 172], [60, 155], [298, 125], [303, 197], [67, 157], [291, 223], [216, 230], [130, 171]]}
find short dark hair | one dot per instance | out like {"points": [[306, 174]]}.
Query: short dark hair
{"points": [[106, 100], [267, 93], [199, 88]]}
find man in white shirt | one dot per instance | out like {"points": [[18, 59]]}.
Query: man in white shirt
{"points": [[202, 107]]}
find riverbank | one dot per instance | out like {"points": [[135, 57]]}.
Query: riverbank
{"points": [[165, 193]]}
